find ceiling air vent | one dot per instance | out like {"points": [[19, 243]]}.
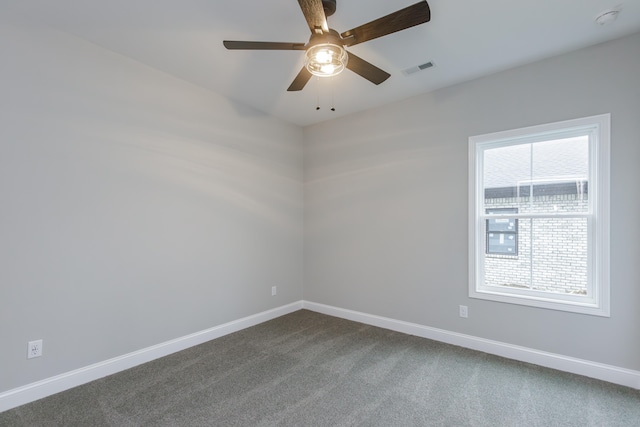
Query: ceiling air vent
{"points": [[415, 69]]}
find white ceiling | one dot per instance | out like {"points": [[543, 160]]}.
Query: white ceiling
{"points": [[465, 39]]}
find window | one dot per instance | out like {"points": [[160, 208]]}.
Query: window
{"points": [[538, 216]]}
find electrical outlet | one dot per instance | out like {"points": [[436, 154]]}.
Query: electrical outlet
{"points": [[274, 291], [464, 311], [34, 349]]}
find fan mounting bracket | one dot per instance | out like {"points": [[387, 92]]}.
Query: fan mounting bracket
{"points": [[329, 7]]}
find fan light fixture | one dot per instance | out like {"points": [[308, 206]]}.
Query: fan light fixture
{"points": [[326, 59], [325, 53]]}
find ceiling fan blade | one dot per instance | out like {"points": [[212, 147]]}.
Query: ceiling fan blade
{"points": [[405, 18], [367, 70], [313, 12], [231, 44], [300, 81]]}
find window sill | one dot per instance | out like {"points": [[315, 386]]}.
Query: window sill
{"points": [[572, 303]]}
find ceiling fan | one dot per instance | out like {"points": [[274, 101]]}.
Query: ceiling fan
{"points": [[325, 53]]}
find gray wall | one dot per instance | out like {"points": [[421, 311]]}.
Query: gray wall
{"points": [[386, 203], [136, 208]]}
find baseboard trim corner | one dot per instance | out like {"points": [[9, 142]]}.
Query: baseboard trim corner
{"points": [[40, 389], [600, 371]]}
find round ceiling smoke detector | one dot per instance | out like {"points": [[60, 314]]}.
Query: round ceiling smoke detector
{"points": [[607, 17]]}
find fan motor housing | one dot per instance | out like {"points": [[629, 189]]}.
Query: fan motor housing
{"points": [[332, 37]]}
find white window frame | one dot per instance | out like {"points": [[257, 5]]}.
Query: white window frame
{"points": [[596, 302]]}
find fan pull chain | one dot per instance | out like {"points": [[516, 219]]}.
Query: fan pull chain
{"points": [[331, 88], [317, 93], [333, 108]]}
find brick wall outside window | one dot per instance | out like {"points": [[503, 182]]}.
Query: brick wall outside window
{"points": [[559, 246]]}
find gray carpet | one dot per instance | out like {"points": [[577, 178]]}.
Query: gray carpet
{"points": [[308, 369]]}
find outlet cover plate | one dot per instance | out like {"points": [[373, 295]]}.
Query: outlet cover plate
{"points": [[464, 311], [34, 349]]}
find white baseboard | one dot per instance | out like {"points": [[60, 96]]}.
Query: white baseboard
{"points": [[613, 374], [38, 390]]}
